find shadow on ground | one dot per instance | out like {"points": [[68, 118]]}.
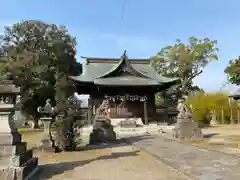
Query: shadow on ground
{"points": [[134, 139], [210, 135], [118, 143], [50, 170]]}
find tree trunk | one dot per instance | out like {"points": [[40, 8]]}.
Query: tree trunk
{"points": [[35, 124]]}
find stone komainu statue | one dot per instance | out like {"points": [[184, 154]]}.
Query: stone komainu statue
{"points": [[102, 110], [186, 127], [184, 112], [102, 129]]}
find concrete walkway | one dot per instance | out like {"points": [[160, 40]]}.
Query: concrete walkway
{"points": [[196, 162]]}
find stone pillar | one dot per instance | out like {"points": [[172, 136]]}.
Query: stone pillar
{"points": [[16, 162], [45, 142], [231, 112], [145, 112], [89, 111], [238, 116]]}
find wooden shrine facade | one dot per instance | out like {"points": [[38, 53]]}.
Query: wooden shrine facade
{"points": [[129, 85], [126, 105]]}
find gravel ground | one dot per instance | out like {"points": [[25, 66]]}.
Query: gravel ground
{"points": [[198, 163], [122, 162], [116, 163]]}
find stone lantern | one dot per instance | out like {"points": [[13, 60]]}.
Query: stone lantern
{"points": [[17, 163], [46, 118]]}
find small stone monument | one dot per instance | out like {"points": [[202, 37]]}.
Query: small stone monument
{"points": [[186, 127], [102, 130], [16, 162], [18, 116], [213, 118], [46, 118]]}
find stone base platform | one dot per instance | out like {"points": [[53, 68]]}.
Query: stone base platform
{"points": [[16, 162], [187, 130], [102, 131], [117, 121], [23, 172]]}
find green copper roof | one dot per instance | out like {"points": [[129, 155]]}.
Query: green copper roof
{"points": [[125, 81], [99, 72]]}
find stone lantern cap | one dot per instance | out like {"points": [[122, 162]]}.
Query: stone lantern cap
{"points": [[7, 87], [236, 95], [8, 93]]}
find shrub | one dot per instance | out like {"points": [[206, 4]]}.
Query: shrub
{"points": [[68, 121], [204, 103]]}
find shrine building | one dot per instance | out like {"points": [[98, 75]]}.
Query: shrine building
{"points": [[129, 85]]}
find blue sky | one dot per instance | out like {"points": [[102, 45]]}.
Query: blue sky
{"points": [[147, 26]]}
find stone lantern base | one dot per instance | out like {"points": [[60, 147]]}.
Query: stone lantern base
{"points": [[46, 144], [16, 162]]}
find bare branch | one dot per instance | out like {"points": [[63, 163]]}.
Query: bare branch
{"points": [[195, 75]]}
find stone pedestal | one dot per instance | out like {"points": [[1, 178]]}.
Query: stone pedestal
{"points": [[102, 131], [16, 162], [187, 130], [45, 142], [213, 122]]}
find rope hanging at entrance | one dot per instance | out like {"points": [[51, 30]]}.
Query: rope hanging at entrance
{"points": [[127, 97]]}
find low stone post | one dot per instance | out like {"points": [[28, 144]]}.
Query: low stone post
{"points": [[222, 116]]}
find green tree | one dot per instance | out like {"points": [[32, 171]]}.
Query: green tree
{"points": [[39, 57], [185, 61], [159, 99], [233, 71]]}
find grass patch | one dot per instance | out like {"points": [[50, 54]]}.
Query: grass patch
{"points": [[29, 130], [235, 139], [199, 142]]}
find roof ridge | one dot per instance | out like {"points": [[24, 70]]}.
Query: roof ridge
{"points": [[123, 59], [115, 60]]}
